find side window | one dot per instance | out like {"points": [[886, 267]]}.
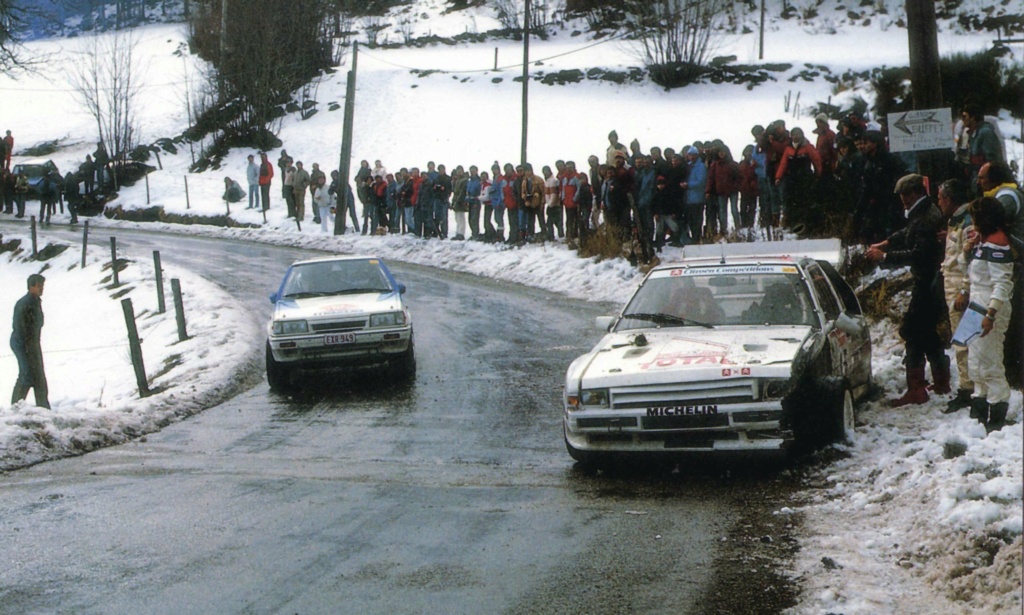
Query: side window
{"points": [[823, 290], [846, 294]]}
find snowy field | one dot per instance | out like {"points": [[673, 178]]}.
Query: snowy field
{"points": [[919, 513]]}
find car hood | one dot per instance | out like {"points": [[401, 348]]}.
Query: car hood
{"points": [[690, 354], [338, 305]]}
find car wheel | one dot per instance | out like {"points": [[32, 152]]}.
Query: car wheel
{"points": [[822, 415], [278, 376], [840, 415], [404, 367]]}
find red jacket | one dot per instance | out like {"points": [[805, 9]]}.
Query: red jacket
{"points": [[796, 156], [748, 183], [266, 172], [723, 178]]}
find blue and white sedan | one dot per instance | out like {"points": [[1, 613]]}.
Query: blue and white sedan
{"points": [[339, 312]]}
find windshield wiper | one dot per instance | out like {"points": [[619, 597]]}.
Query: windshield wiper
{"points": [[305, 294], [667, 319], [356, 291]]}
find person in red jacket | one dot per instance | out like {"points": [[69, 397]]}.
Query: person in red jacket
{"points": [[8, 148], [748, 191], [797, 177], [266, 175], [722, 190]]}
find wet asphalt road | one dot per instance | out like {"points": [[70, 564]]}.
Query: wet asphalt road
{"points": [[453, 494]]}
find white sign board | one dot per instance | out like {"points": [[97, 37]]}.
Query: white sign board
{"points": [[914, 131]]}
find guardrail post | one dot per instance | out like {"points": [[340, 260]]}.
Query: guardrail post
{"points": [[179, 309], [135, 346], [113, 261], [160, 307], [32, 221], [85, 241], [187, 203]]}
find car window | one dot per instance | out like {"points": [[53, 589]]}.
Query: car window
{"points": [[335, 277], [823, 290], [720, 296], [842, 288]]}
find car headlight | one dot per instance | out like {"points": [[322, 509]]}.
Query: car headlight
{"points": [[390, 319], [774, 388], [288, 327], [594, 398]]}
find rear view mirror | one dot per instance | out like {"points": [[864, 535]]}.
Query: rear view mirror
{"points": [[604, 323]]}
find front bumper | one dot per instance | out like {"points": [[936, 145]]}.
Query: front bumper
{"points": [[369, 348], [753, 426]]}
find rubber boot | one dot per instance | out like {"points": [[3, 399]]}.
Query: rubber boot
{"points": [[917, 389], [997, 416], [20, 392], [940, 377], [979, 409], [961, 401]]}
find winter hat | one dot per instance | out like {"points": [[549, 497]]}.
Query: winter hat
{"points": [[613, 134], [909, 183], [873, 132], [693, 151], [821, 117]]}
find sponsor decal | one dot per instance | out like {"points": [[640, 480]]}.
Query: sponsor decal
{"points": [[726, 270], [743, 371], [337, 309], [684, 351], [682, 410]]}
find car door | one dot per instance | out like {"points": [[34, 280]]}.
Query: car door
{"points": [[856, 326]]}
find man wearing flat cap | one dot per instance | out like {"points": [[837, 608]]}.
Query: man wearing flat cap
{"points": [[925, 326]]}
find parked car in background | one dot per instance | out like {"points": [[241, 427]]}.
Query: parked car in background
{"points": [[35, 171], [755, 348], [338, 312]]}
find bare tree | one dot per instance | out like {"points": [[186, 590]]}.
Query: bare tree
{"points": [[106, 81], [674, 37], [542, 13], [12, 21]]}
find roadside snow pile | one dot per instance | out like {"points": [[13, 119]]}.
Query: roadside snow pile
{"points": [[920, 493], [94, 398]]}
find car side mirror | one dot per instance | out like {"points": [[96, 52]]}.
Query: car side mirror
{"points": [[847, 324], [604, 323], [401, 289], [273, 298]]}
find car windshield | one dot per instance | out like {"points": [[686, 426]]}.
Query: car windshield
{"points": [[335, 278], [714, 296]]}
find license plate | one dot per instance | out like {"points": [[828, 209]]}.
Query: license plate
{"points": [[339, 338]]}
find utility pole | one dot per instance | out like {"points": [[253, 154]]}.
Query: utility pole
{"points": [[926, 83], [346, 145], [223, 30], [760, 44], [526, 80]]}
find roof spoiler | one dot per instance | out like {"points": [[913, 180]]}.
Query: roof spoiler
{"points": [[830, 250]]}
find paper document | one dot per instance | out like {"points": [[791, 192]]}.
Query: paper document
{"points": [[970, 324]]}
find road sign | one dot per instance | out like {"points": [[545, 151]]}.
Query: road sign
{"points": [[924, 129]]}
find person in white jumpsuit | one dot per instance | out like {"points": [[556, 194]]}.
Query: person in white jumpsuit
{"points": [[991, 285]]}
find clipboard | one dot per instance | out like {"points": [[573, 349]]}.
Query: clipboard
{"points": [[970, 324]]}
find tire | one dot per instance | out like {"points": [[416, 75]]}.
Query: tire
{"points": [[840, 415], [824, 414], [278, 376]]}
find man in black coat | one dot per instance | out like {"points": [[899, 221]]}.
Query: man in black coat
{"points": [[28, 324], [878, 211], [925, 326]]}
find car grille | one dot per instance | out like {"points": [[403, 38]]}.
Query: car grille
{"points": [[685, 422], [338, 326], [727, 391]]}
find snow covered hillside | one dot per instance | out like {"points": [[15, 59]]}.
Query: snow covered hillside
{"points": [[920, 513]]}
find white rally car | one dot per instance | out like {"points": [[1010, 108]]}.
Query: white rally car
{"points": [[731, 349], [338, 312]]}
